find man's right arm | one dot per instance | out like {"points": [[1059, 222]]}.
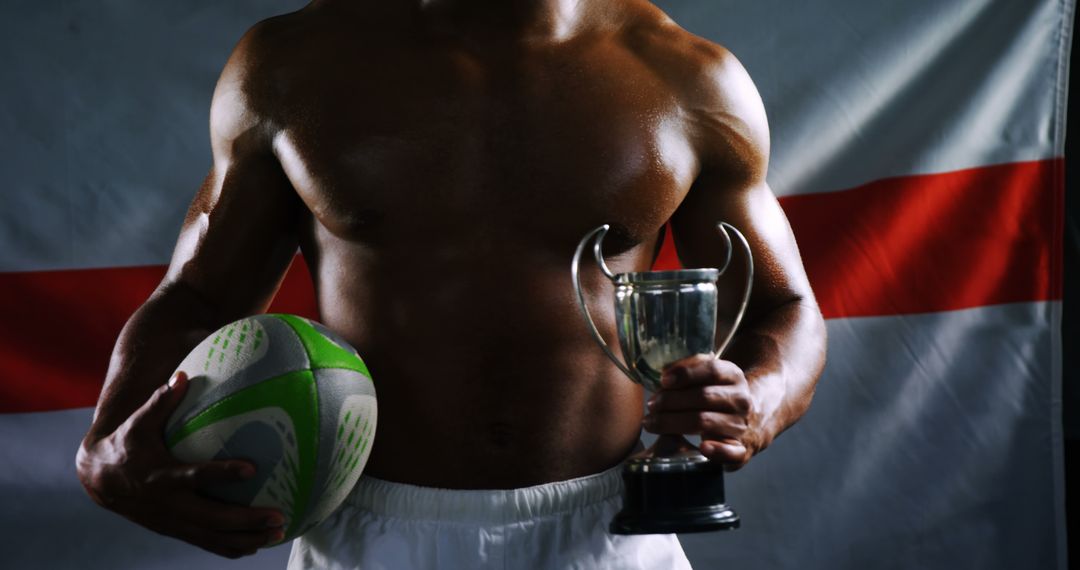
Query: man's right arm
{"points": [[237, 240]]}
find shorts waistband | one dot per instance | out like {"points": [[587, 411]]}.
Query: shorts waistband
{"points": [[488, 506]]}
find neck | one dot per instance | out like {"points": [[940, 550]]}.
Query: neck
{"points": [[551, 20]]}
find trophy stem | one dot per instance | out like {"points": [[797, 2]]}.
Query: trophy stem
{"points": [[670, 452]]}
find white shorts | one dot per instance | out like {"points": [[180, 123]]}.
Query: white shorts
{"points": [[393, 526]]}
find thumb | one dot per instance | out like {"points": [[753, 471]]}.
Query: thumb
{"points": [[162, 403]]}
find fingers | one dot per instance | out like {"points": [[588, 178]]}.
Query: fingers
{"points": [[228, 544], [722, 435], [227, 530], [131, 472], [706, 396], [186, 480], [217, 516], [700, 369], [713, 425], [200, 475], [733, 399], [732, 453]]}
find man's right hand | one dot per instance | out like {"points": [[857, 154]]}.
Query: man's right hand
{"points": [[131, 472]]}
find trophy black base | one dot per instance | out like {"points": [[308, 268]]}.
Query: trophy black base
{"points": [[664, 502]]}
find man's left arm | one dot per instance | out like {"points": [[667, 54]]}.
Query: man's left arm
{"points": [[766, 378]]}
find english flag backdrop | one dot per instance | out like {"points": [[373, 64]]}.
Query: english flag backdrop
{"points": [[917, 149]]}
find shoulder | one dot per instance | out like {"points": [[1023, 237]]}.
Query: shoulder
{"points": [[251, 80], [722, 106], [275, 42]]}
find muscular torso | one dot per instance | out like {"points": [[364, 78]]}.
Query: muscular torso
{"points": [[443, 188]]}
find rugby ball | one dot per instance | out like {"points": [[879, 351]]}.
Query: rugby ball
{"points": [[291, 397]]}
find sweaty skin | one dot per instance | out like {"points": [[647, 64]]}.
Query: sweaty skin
{"points": [[436, 163]]}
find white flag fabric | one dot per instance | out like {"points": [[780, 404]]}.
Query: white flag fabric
{"points": [[917, 149]]}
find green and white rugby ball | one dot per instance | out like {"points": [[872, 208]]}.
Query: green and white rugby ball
{"points": [[288, 395]]}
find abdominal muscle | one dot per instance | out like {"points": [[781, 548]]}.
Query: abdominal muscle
{"points": [[485, 372]]}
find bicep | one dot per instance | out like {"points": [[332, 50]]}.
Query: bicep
{"points": [[733, 140], [240, 232], [779, 276], [238, 238]]}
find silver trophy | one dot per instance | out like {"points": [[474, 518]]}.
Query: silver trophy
{"points": [[662, 317]]}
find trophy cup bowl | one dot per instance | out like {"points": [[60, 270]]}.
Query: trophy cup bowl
{"points": [[662, 317]]}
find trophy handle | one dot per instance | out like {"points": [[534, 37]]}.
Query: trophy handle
{"points": [[724, 228], [598, 234]]}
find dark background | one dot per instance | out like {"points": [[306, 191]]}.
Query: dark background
{"points": [[1070, 320], [125, 73]]}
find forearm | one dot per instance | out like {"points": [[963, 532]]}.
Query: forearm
{"points": [[153, 342], [782, 355]]}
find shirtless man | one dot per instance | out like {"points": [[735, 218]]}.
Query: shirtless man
{"points": [[437, 162]]}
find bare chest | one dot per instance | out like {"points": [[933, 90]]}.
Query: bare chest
{"points": [[543, 146]]}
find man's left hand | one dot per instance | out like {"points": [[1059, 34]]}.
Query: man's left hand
{"points": [[706, 396]]}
